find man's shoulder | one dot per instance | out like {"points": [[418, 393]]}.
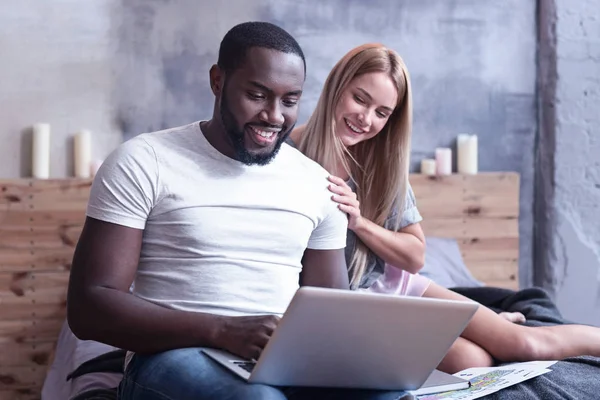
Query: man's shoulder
{"points": [[310, 167], [169, 136], [148, 144]]}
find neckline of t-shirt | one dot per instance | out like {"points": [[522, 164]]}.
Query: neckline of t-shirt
{"points": [[216, 153]]}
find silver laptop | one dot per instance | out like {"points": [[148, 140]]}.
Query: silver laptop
{"points": [[355, 339]]}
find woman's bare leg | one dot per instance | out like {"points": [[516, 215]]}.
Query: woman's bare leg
{"points": [[465, 354], [509, 342]]}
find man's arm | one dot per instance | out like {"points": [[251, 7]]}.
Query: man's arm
{"points": [[324, 268], [100, 307]]}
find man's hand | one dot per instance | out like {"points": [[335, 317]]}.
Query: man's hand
{"points": [[247, 336]]}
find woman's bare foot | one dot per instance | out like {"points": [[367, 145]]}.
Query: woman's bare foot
{"points": [[515, 317]]}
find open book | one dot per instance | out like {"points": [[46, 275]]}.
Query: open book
{"points": [[441, 382], [484, 381]]}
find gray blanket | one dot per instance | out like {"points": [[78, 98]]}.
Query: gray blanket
{"points": [[575, 378]]}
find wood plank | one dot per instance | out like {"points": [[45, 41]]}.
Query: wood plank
{"points": [[39, 237], [44, 202], [489, 249], [492, 182], [432, 187], [24, 260], [26, 354], [494, 262], [507, 264], [470, 228], [491, 207], [482, 183], [487, 194], [14, 191], [27, 295], [21, 394], [500, 272], [14, 197], [73, 214], [48, 309], [30, 331], [20, 377]]}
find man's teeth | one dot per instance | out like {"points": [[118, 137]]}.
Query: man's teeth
{"points": [[265, 134], [354, 128]]}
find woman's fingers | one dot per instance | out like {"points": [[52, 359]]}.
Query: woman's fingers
{"points": [[337, 180], [343, 200], [350, 210]]}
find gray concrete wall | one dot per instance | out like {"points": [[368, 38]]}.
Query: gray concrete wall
{"points": [[574, 268], [124, 67], [55, 67], [472, 64]]}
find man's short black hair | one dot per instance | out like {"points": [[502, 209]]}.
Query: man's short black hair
{"points": [[240, 38]]}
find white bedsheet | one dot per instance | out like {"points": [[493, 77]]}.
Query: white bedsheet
{"points": [[71, 353]]}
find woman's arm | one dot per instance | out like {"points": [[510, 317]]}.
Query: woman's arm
{"points": [[403, 249]]}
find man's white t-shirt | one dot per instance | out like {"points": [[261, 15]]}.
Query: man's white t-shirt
{"points": [[219, 236]]}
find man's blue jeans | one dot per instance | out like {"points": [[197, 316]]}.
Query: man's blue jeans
{"points": [[189, 374]]}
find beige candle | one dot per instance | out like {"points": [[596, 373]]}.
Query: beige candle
{"points": [[40, 151], [467, 154], [428, 166], [82, 147]]}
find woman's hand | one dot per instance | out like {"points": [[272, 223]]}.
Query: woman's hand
{"points": [[347, 201]]}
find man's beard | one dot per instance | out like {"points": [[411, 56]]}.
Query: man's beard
{"points": [[236, 135]]}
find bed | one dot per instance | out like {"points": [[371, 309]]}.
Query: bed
{"points": [[471, 223]]}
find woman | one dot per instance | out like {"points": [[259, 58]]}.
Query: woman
{"points": [[360, 132]]}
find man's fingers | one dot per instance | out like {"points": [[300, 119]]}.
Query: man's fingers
{"points": [[254, 353], [262, 340]]}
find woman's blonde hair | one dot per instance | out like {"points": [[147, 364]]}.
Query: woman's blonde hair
{"points": [[379, 166]]}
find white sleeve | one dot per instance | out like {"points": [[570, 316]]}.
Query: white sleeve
{"points": [[125, 189], [331, 232]]}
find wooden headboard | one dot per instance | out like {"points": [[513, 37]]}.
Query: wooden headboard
{"points": [[482, 213], [40, 222]]}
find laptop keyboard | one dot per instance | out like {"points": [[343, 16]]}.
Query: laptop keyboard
{"points": [[247, 365]]}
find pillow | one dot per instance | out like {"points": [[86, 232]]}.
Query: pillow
{"points": [[445, 266]]}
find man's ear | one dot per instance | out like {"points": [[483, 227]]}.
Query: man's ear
{"points": [[217, 77]]}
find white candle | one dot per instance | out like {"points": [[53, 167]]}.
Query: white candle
{"points": [[82, 146], [443, 161], [467, 154], [428, 166], [40, 151]]}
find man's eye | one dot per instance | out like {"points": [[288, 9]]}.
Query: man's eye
{"points": [[256, 96]]}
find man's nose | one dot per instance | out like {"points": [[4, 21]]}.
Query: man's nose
{"points": [[273, 115]]}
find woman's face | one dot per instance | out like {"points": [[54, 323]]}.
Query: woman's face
{"points": [[365, 107]]}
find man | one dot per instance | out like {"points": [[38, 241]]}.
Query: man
{"points": [[215, 223]]}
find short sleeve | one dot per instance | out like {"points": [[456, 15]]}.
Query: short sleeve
{"points": [[331, 232], [410, 214], [125, 189]]}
